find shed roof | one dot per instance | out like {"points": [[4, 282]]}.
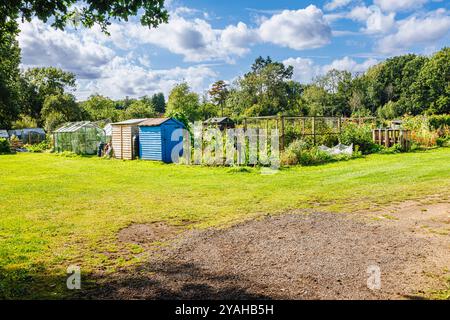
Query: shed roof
{"points": [[130, 122], [219, 120], [153, 122], [4, 134], [26, 131], [75, 126]]}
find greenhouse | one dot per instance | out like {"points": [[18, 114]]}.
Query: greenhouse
{"points": [[79, 137]]}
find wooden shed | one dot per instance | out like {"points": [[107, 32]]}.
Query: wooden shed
{"points": [[155, 139], [125, 138], [222, 123]]}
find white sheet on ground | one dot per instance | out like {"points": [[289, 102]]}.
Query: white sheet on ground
{"points": [[339, 149]]}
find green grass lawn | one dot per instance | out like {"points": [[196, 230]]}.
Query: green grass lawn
{"points": [[57, 211]]}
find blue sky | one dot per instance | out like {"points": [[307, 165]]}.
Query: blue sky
{"points": [[206, 41]]}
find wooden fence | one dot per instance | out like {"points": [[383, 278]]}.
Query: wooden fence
{"points": [[291, 128], [389, 137]]}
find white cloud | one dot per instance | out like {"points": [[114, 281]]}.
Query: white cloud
{"points": [[416, 30], [195, 39], [399, 5], [336, 4], [306, 70], [44, 46], [238, 38], [122, 77], [98, 68], [376, 21], [297, 29], [348, 64]]}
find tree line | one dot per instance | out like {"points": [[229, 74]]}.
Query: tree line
{"points": [[406, 84]]}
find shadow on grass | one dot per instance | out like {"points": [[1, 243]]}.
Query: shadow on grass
{"points": [[166, 280]]}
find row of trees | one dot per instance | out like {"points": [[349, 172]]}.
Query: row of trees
{"points": [[407, 84], [40, 96], [43, 97]]}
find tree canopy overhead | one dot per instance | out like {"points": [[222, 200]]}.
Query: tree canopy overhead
{"points": [[84, 12]]}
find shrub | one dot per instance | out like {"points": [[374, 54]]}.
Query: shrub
{"points": [[299, 152], [396, 148], [4, 146], [443, 141], [40, 147], [439, 121], [358, 135], [314, 156]]}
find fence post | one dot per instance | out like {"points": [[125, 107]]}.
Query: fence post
{"points": [[282, 133], [314, 129]]}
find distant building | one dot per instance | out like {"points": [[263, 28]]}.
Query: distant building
{"points": [[222, 123], [29, 135], [4, 134], [81, 137]]}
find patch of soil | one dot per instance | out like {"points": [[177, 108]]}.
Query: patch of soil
{"points": [[144, 234], [294, 256]]}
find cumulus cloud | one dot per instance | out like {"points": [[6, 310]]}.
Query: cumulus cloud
{"points": [[98, 68], [44, 46], [416, 30], [122, 77], [348, 64], [238, 38], [399, 5], [297, 29], [306, 70], [376, 21], [197, 41], [336, 4]]}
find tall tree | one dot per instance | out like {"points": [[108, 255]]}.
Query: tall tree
{"points": [[218, 93], [183, 100], [159, 102], [60, 108], [265, 89], [39, 83], [432, 87], [139, 109], [99, 108], [9, 75]]}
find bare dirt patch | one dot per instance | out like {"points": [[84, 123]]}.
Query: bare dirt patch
{"points": [[295, 256], [147, 233]]}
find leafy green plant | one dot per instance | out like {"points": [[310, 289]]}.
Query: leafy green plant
{"points": [[358, 135], [443, 141], [300, 152], [68, 154], [4, 146], [40, 147], [439, 121]]}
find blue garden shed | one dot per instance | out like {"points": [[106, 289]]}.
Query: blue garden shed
{"points": [[155, 139]]}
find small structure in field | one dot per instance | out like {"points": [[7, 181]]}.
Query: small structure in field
{"points": [[158, 138], [125, 138], [29, 135], [222, 123], [81, 137], [389, 137]]}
